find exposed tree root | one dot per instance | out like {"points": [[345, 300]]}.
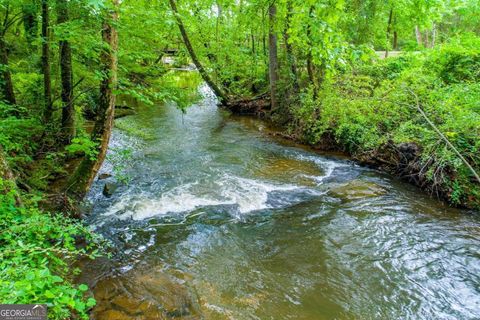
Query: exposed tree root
{"points": [[257, 106]]}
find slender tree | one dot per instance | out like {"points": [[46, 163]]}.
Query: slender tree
{"points": [[68, 109], [310, 66], [47, 83], [30, 22], [186, 40], [389, 30], [7, 86], [88, 168], [289, 49], [272, 55], [7, 179]]}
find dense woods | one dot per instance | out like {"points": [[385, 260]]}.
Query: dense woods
{"points": [[393, 84]]}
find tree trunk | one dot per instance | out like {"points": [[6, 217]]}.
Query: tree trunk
{"points": [[310, 67], [8, 93], [68, 109], [418, 35], [8, 184], [272, 55], [30, 23], [434, 35], [252, 37], [289, 49], [395, 40], [389, 29], [47, 83], [205, 76], [264, 37], [88, 168]]}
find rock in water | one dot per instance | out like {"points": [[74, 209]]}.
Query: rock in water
{"points": [[109, 189], [357, 189], [104, 176]]}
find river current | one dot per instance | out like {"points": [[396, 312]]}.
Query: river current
{"points": [[220, 220]]}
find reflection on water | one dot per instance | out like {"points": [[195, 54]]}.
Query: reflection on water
{"points": [[221, 222]]}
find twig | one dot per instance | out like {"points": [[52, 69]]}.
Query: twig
{"points": [[444, 138]]}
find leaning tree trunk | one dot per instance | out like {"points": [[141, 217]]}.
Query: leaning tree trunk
{"points": [[47, 83], [68, 109], [88, 168], [8, 93], [272, 55], [205, 76]]}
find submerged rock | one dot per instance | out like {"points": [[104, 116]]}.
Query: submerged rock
{"points": [[104, 176], [113, 315], [174, 298], [109, 189], [357, 189]]}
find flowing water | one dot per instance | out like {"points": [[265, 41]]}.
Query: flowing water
{"points": [[222, 221]]}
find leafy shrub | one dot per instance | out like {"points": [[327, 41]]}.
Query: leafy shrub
{"points": [[83, 145], [35, 251], [373, 105]]}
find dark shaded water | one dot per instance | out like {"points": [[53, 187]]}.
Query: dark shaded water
{"points": [[221, 221]]}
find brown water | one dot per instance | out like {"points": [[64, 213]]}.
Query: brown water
{"points": [[221, 221]]}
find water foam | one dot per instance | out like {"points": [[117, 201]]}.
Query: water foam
{"points": [[329, 166], [247, 194]]}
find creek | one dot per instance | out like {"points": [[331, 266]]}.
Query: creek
{"points": [[220, 220]]}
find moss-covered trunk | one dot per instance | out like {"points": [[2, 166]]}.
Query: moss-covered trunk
{"points": [[87, 170]]}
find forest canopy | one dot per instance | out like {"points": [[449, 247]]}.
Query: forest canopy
{"points": [[393, 84]]}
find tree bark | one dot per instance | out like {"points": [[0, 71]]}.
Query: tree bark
{"points": [[8, 184], [395, 40], [68, 109], [205, 76], [289, 48], [252, 37], [434, 36], [310, 66], [389, 30], [88, 168], [272, 55], [8, 93], [30, 22], [47, 83], [418, 35]]}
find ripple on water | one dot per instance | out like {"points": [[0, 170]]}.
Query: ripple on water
{"points": [[246, 194], [232, 225]]}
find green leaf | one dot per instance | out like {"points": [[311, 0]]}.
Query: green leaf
{"points": [[83, 287]]}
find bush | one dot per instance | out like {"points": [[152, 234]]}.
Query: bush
{"points": [[373, 106], [35, 251]]}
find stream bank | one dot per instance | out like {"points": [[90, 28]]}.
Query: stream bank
{"points": [[220, 220]]}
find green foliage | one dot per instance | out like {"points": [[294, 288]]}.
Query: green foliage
{"points": [[375, 106], [83, 146], [120, 158], [458, 61], [36, 250]]}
